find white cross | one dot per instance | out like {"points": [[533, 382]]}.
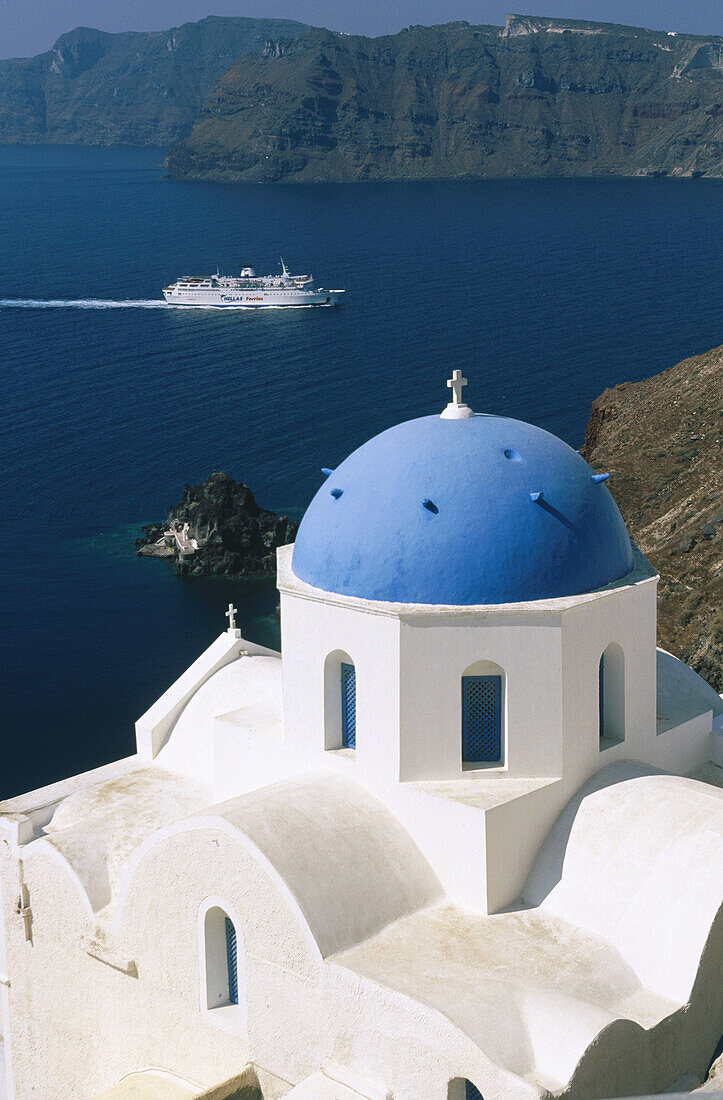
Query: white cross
{"points": [[231, 616], [455, 384]]}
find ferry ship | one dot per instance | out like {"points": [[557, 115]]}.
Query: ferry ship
{"points": [[249, 290]]}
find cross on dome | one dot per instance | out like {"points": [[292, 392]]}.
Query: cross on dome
{"points": [[231, 616], [455, 383], [456, 409]]}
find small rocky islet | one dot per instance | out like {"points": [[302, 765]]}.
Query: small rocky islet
{"points": [[218, 529]]}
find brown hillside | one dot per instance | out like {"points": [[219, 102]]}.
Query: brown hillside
{"points": [[662, 441]]}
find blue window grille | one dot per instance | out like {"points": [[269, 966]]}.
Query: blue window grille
{"points": [[232, 961], [482, 719], [348, 706], [601, 695], [471, 1092]]}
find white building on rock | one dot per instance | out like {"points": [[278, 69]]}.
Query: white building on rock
{"points": [[461, 837]]}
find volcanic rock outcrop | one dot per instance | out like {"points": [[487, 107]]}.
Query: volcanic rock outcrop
{"points": [[233, 534]]}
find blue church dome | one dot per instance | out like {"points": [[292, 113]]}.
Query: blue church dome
{"points": [[479, 510]]}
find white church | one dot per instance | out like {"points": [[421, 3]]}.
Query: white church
{"points": [[460, 838]]}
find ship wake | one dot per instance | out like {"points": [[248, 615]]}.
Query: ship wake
{"points": [[82, 303]]}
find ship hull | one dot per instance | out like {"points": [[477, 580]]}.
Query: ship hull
{"points": [[215, 298]]}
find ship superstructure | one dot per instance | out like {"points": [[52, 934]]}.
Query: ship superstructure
{"points": [[249, 290]]}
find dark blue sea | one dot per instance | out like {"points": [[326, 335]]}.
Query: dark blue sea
{"points": [[543, 292]]}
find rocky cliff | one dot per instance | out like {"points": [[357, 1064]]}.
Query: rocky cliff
{"points": [[539, 97], [95, 88], [234, 535], [662, 441]]}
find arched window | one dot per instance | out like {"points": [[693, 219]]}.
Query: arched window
{"points": [[482, 714], [348, 706], [462, 1089], [611, 696], [223, 961], [231, 961], [339, 701]]}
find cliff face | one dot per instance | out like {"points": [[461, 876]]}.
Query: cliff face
{"points": [[95, 88], [662, 441], [539, 97]]}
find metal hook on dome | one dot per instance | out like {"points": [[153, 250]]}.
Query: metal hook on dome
{"points": [[326, 471]]}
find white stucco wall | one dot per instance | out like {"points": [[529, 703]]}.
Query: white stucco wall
{"points": [[436, 654], [410, 661], [237, 801], [351, 956], [311, 629], [241, 730], [414, 656], [626, 617], [301, 1012]]}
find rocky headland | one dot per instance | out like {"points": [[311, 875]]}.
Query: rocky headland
{"points": [[136, 88], [231, 533], [537, 97], [662, 441]]}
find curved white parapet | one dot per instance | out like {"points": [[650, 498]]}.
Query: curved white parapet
{"points": [[682, 693], [346, 862], [154, 727], [636, 858], [607, 976], [245, 687], [96, 829]]}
